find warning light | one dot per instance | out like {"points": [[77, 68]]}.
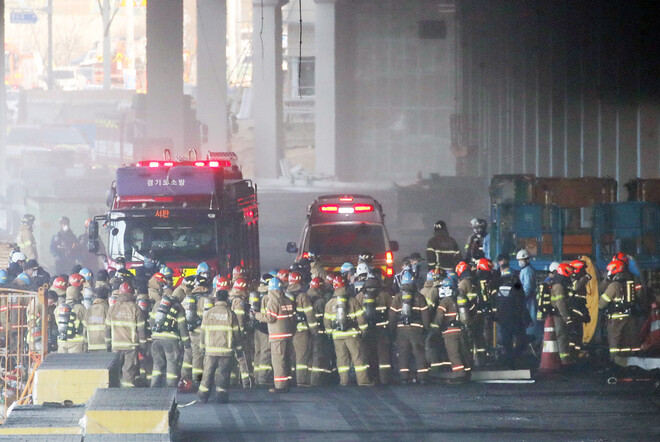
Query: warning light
{"points": [[168, 164], [214, 164], [199, 163], [388, 258], [389, 272], [361, 208], [346, 199], [154, 164]]}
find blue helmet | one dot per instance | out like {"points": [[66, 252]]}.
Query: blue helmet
{"points": [[347, 267], [216, 279], [407, 278], [453, 276], [274, 273], [87, 274], [203, 268], [3, 277], [25, 278], [166, 271], [447, 288], [274, 284]]}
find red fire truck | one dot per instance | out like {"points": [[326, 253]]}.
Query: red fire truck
{"points": [[183, 212]]}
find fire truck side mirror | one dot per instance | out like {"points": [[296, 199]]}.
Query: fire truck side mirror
{"points": [[291, 247], [394, 246], [93, 230]]}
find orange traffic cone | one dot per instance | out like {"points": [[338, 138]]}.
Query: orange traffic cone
{"points": [[550, 361]]}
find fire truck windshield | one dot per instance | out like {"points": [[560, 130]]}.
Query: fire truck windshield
{"points": [[347, 239], [169, 240]]}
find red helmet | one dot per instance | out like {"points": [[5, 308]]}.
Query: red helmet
{"points": [[578, 265], [60, 283], [159, 277], [76, 280], [222, 283], [125, 288], [620, 257], [316, 283], [338, 282], [564, 269], [615, 267], [283, 275], [330, 277], [295, 278], [461, 267], [185, 386], [238, 271], [485, 264], [240, 284]]}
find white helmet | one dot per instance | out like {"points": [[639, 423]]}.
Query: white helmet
{"points": [[18, 256], [553, 266], [362, 269], [522, 254]]}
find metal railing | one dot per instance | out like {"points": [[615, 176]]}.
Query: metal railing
{"points": [[24, 332]]}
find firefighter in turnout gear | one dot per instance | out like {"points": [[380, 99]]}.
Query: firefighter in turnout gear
{"points": [[184, 289], [620, 303], [70, 327], [562, 314], [144, 356], [306, 327], [442, 250], [220, 339], [316, 266], [344, 319], [434, 346], [126, 333], [157, 287], [279, 315], [263, 371], [321, 346], [168, 333], [95, 320], [194, 306], [25, 239], [239, 302], [409, 317], [376, 302], [577, 303], [476, 246], [544, 294], [485, 283], [512, 316], [447, 318], [468, 314]]}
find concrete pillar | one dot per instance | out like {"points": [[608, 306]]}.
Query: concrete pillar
{"points": [[325, 87], [165, 71], [211, 71], [267, 84]]}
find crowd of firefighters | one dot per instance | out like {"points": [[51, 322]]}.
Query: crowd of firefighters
{"points": [[306, 326]]}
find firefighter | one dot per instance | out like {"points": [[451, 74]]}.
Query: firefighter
{"points": [[25, 240], [577, 303], [95, 322], [447, 318], [145, 272], [59, 286], [70, 315], [512, 316], [317, 269], [409, 317], [434, 346], [238, 272], [279, 315], [88, 287], [168, 333], [144, 356], [344, 318], [194, 306], [442, 250], [102, 280], [203, 271], [263, 372], [220, 339], [468, 314], [478, 243], [362, 272], [239, 302], [376, 301], [157, 287], [321, 350], [562, 314], [483, 323], [34, 313], [620, 303], [283, 276], [125, 332], [184, 289], [306, 328]]}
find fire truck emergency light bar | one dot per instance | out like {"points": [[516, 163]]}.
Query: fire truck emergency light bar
{"points": [[356, 208], [211, 163]]}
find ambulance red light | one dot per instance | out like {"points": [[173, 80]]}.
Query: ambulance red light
{"points": [[389, 259], [389, 272], [346, 199], [168, 164], [154, 164], [329, 208], [199, 163], [214, 164], [361, 208]]}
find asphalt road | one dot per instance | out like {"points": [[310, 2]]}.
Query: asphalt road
{"points": [[577, 407]]}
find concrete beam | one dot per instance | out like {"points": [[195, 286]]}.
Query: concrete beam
{"points": [[165, 71], [211, 96]]}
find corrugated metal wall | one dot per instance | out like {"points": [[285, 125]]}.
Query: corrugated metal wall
{"points": [[562, 88]]}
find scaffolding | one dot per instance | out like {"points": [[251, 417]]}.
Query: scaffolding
{"points": [[24, 336]]}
